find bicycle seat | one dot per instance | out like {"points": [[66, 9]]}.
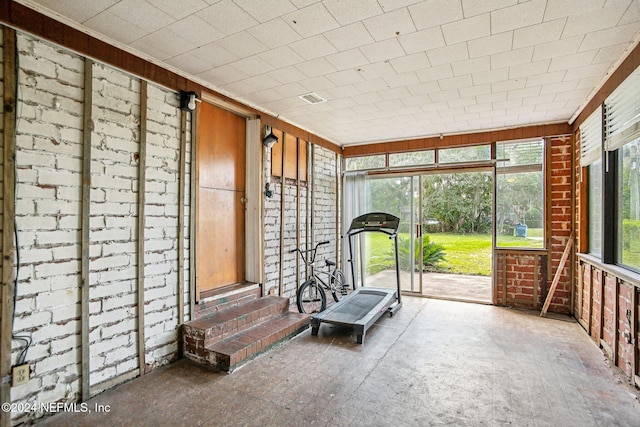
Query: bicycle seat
{"points": [[329, 263]]}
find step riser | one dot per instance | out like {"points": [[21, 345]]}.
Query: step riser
{"points": [[214, 333], [222, 303]]}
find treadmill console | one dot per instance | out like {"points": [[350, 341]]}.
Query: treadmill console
{"points": [[375, 221]]}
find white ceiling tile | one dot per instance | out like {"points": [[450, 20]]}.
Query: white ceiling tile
{"points": [[389, 5], [345, 77], [631, 15], [433, 106], [467, 29], [275, 33], [510, 103], [444, 95], [561, 9], [478, 7], [610, 53], [410, 62], [588, 82], [372, 86], [115, 27], [253, 66], [377, 70], [281, 57], [416, 101], [492, 97], [178, 10], [315, 84], [518, 16], [435, 73], [264, 96], [608, 37], [595, 20], [265, 10], [382, 51], [227, 17], [345, 38], [537, 34], [215, 54], [557, 48], [223, 75], [511, 58], [558, 87], [367, 98], [190, 62], [455, 82], [529, 69], [550, 106], [290, 90], [316, 67], [394, 93], [546, 78], [196, 30], [313, 47], [507, 85], [390, 25], [348, 12], [145, 16], [162, 44], [470, 91], [578, 73], [470, 66], [492, 76], [347, 59], [577, 94], [311, 20], [432, 13], [78, 10], [490, 45], [401, 80], [242, 44], [424, 88], [423, 40], [287, 75], [365, 108], [572, 61], [448, 54]]}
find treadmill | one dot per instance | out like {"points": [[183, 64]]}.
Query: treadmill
{"points": [[365, 305]]}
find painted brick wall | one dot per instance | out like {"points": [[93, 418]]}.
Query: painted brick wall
{"points": [[323, 211], [48, 217]]}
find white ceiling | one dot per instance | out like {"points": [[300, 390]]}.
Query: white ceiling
{"points": [[389, 69]]}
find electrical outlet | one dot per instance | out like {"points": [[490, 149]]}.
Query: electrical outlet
{"points": [[21, 374]]}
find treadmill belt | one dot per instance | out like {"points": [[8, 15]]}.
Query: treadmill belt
{"points": [[359, 306]]}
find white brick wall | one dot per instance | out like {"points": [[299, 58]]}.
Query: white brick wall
{"points": [[48, 215]]}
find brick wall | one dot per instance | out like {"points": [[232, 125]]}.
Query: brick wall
{"points": [[49, 159], [526, 275], [323, 186]]}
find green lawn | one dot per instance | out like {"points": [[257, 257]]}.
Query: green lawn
{"points": [[465, 253]]}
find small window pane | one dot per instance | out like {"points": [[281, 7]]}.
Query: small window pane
{"points": [[416, 158], [464, 154], [365, 162], [595, 208], [629, 205], [520, 194]]}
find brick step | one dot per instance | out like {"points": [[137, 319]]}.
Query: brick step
{"points": [[231, 352], [227, 300], [217, 325]]}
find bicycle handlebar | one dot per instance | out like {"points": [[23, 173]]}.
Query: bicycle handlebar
{"points": [[313, 251]]}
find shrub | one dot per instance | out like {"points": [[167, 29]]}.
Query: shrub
{"points": [[432, 253]]}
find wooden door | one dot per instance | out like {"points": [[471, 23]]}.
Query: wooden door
{"points": [[220, 238]]}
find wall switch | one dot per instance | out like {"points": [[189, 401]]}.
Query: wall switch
{"points": [[21, 374]]}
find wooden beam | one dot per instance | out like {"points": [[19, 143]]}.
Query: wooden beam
{"points": [[299, 142], [282, 217], [87, 142], [8, 224], [556, 277], [535, 282], [182, 175], [142, 199], [193, 214]]}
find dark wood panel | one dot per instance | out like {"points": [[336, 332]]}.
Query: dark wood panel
{"points": [[221, 150], [276, 154], [302, 158], [220, 248], [291, 157]]}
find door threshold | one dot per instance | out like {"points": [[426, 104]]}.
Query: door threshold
{"points": [[226, 291]]}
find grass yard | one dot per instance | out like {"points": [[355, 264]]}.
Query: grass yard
{"points": [[465, 253]]}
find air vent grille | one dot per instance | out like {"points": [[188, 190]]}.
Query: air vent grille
{"points": [[312, 98]]}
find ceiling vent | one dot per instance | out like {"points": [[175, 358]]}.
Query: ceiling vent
{"points": [[312, 98]]}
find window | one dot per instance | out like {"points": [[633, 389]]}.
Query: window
{"points": [[366, 162], [415, 158], [595, 208], [520, 194], [464, 154], [629, 206]]}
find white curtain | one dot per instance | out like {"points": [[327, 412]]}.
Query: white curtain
{"points": [[354, 204]]}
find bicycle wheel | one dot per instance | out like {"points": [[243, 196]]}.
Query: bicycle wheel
{"points": [[311, 298], [339, 286]]}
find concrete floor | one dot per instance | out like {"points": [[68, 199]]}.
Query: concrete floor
{"points": [[435, 362]]}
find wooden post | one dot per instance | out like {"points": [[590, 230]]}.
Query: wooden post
{"points": [[193, 214], [142, 166], [298, 142], [282, 190], [535, 281], [86, 228], [182, 174], [616, 320], [556, 277], [8, 225], [634, 334]]}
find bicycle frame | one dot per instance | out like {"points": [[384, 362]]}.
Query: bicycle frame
{"points": [[310, 262]]}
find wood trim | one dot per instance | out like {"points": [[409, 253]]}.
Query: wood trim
{"points": [[634, 331], [283, 188], [616, 321], [536, 281], [182, 176], [556, 277], [299, 144], [85, 387], [142, 218], [254, 235], [193, 193], [450, 141], [8, 217]]}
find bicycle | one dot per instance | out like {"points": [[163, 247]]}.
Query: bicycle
{"points": [[311, 296]]}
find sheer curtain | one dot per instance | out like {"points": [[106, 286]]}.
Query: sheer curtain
{"points": [[354, 204]]}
